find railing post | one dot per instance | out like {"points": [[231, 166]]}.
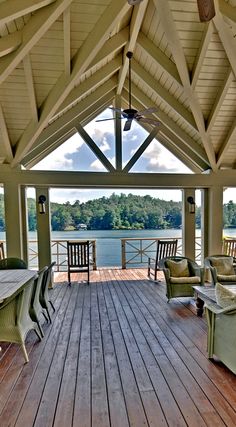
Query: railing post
{"points": [[94, 255], [123, 263]]}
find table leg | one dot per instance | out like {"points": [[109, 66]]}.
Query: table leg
{"points": [[199, 306]]}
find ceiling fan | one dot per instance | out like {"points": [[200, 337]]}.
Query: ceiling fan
{"points": [[130, 113], [206, 10]]}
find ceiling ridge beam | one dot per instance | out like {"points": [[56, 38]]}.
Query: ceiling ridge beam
{"points": [[159, 57], [87, 52], [177, 51], [13, 9], [135, 25], [35, 28]]}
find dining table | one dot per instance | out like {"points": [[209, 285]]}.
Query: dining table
{"points": [[13, 281]]}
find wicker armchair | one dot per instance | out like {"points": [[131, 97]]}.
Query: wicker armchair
{"points": [[222, 269], [181, 274]]}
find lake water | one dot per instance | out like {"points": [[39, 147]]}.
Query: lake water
{"points": [[108, 242]]}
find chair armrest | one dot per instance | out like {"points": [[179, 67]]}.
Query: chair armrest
{"points": [[151, 261], [214, 274], [198, 271], [231, 309], [166, 272]]}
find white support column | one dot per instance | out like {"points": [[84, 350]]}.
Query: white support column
{"points": [[43, 229], [188, 225], [24, 208], [215, 220], [204, 224], [13, 219]]}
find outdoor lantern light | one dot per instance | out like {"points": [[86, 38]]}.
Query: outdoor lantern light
{"points": [[41, 203], [191, 204]]}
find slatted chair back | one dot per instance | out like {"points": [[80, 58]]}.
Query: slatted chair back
{"points": [[229, 247], [2, 251], [165, 248], [78, 258]]}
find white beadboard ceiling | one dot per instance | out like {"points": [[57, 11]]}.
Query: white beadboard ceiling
{"points": [[64, 61]]}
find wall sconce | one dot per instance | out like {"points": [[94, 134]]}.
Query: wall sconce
{"points": [[191, 204], [41, 204]]}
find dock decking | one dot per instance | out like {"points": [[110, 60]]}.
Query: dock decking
{"points": [[116, 355]]}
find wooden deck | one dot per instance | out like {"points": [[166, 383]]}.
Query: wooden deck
{"points": [[116, 355]]}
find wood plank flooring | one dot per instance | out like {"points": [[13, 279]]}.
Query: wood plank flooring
{"points": [[116, 355]]}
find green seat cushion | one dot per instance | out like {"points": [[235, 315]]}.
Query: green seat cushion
{"points": [[178, 268], [223, 265], [224, 297], [182, 280], [226, 278]]}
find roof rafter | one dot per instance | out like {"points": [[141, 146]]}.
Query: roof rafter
{"points": [[173, 38], [13, 9], [201, 53], [135, 25], [62, 88], [30, 87], [10, 43], [31, 33], [227, 142]]}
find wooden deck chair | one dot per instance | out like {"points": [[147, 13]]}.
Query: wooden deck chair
{"points": [[165, 248], [78, 258], [229, 248]]}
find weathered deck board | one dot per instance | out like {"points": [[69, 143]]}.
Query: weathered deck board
{"points": [[116, 355]]}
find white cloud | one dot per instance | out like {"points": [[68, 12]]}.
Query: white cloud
{"points": [[97, 165]]}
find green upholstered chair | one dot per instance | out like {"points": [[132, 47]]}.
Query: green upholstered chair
{"points": [[35, 307], [221, 321], [222, 269], [12, 263], [181, 274], [44, 294], [15, 321], [165, 248]]}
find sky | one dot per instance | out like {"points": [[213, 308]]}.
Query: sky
{"points": [[75, 155]]}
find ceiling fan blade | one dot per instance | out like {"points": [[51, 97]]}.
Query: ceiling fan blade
{"points": [[127, 125], [148, 111], [206, 10]]}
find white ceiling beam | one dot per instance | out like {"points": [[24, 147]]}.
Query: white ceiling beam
{"points": [[227, 10], [219, 100], [166, 121], [95, 149], [135, 25], [164, 94], [201, 53], [35, 28], [30, 87], [13, 9], [140, 150], [96, 79], [87, 52], [111, 46], [159, 57], [40, 151], [225, 146], [10, 43], [163, 9], [5, 137], [66, 41], [227, 38]]}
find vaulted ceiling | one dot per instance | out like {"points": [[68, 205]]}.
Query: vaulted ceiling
{"points": [[62, 62]]}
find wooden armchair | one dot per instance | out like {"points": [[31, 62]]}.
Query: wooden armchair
{"points": [[222, 269], [165, 248], [181, 274], [78, 258]]}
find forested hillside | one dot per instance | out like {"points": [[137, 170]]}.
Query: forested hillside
{"points": [[118, 212]]}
